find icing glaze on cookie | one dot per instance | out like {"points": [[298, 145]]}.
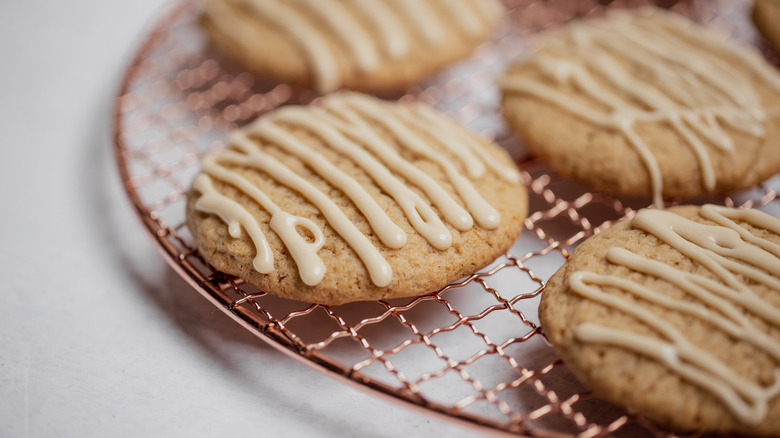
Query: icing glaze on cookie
{"points": [[735, 256], [370, 30], [693, 83], [370, 133]]}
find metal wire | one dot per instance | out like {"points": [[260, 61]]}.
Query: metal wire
{"points": [[473, 351]]}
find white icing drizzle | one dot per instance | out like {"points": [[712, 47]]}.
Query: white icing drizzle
{"points": [[730, 252], [235, 216], [451, 137], [306, 36], [418, 120], [464, 14], [355, 37], [420, 215], [358, 127], [369, 29], [388, 232], [485, 215], [394, 43], [695, 90], [346, 130], [424, 20], [378, 268]]}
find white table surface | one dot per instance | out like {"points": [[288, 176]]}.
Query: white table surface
{"points": [[98, 336]]}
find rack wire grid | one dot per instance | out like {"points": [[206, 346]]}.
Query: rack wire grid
{"points": [[473, 351]]}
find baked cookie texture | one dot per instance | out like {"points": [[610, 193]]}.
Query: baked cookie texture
{"points": [[676, 314], [370, 45], [355, 199], [647, 103]]}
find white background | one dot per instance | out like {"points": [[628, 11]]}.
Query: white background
{"points": [[98, 336]]}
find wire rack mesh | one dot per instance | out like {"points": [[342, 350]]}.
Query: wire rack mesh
{"points": [[473, 351]]}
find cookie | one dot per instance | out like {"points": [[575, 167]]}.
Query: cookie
{"points": [[371, 45], [676, 314], [766, 17], [355, 199], [647, 103]]}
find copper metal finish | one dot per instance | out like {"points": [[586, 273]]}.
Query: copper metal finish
{"points": [[473, 351]]}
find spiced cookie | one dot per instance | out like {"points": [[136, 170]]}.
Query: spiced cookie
{"points": [[676, 314], [648, 103], [766, 17], [371, 45], [355, 199]]}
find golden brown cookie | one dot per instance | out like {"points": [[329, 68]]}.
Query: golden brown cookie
{"points": [[371, 45], [647, 103], [355, 199], [766, 17], [676, 314]]}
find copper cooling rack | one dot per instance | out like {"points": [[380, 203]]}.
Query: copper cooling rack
{"points": [[473, 351]]}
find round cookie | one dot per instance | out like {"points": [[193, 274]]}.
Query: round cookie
{"points": [[676, 314], [355, 199], [766, 16], [647, 103], [371, 45]]}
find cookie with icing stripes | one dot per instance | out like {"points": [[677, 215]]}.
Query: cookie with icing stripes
{"points": [[647, 103], [353, 199], [371, 45], [676, 314]]}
